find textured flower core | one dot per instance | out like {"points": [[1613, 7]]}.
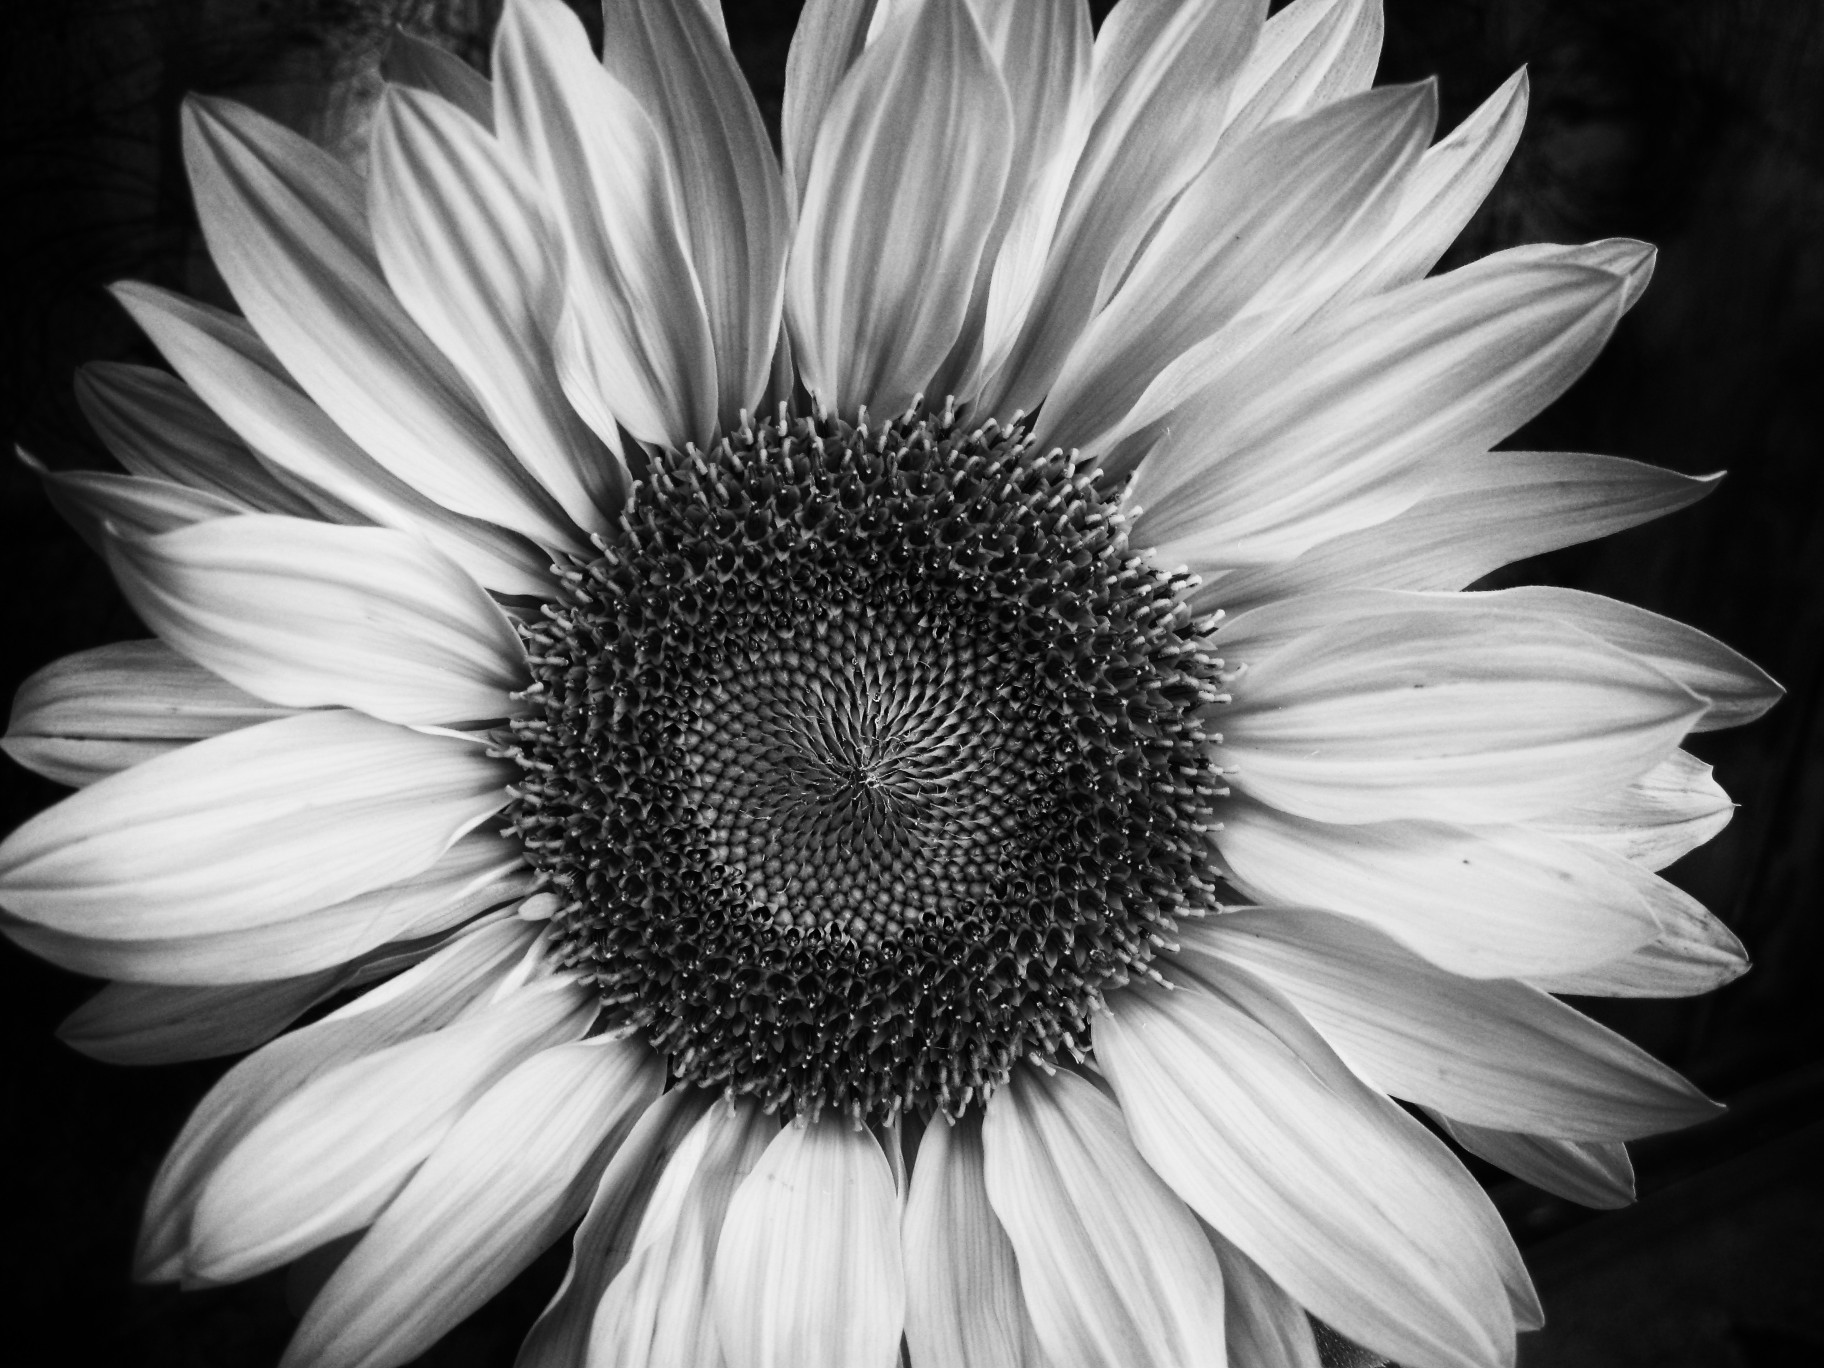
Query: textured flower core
{"points": [[867, 760]]}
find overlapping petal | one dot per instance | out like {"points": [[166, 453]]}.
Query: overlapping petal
{"points": [[1311, 53], [1266, 1328], [1593, 1173], [156, 1023], [1674, 807]]}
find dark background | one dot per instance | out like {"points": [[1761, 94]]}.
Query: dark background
{"points": [[1698, 125]]}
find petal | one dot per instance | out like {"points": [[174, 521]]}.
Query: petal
{"points": [[157, 427], [1266, 1328], [421, 999], [560, 1337], [656, 1312], [96, 502], [1310, 53], [814, 1226], [233, 372], [465, 246], [1271, 215], [1493, 1052], [247, 828], [1160, 84], [635, 343], [675, 59], [1113, 1265], [152, 1023], [309, 614], [1693, 953], [1343, 424], [882, 268], [1673, 808], [1592, 1173], [964, 1307], [421, 65], [1488, 902], [328, 1159], [1344, 1200], [516, 1170], [829, 38], [1483, 512], [287, 228], [99, 711]]}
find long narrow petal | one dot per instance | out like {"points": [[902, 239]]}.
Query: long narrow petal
{"points": [[1493, 1052], [560, 1336], [1489, 902], [153, 1023], [635, 343], [237, 376], [287, 228], [1592, 1173], [462, 237], [1114, 1267], [675, 60], [103, 710], [505, 1182], [250, 827], [421, 999], [904, 190], [1673, 808], [814, 1226], [964, 1307], [1266, 1328], [1692, 953], [99, 502], [1270, 216], [422, 65], [328, 1159], [829, 38], [309, 614], [1343, 1199], [1344, 424], [1311, 53]]}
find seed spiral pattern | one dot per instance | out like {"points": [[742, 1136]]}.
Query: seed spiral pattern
{"points": [[865, 761]]}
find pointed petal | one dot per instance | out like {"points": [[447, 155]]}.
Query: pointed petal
{"points": [[1494, 1052], [814, 1226], [882, 268], [1592, 1173], [421, 65], [286, 226], [1311, 52], [1266, 1328], [1673, 808], [463, 240], [675, 60], [247, 828], [1693, 953], [829, 38], [1488, 902], [964, 1307], [512, 1174], [103, 710], [1344, 1200], [310, 614], [635, 343], [95, 502], [237, 376], [328, 1159], [152, 1023], [1113, 1265]]}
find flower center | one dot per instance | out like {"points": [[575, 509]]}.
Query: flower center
{"points": [[867, 760]]}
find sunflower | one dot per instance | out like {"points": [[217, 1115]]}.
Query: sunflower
{"points": [[894, 733]]}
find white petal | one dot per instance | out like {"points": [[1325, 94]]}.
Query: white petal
{"points": [[463, 240], [1270, 216], [1489, 902], [247, 828], [309, 614], [882, 267], [829, 37], [1343, 1199], [1737, 689], [1160, 84], [328, 1159], [1593, 1173], [516, 1170], [675, 60], [1310, 53], [1266, 1328], [1693, 953], [233, 372], [287, 228], [421, 999], [815, 1226], [1344, 424], [97, 502], [1493, 1052], [1114, 1267], [560, 1337], [656, 1312], [152, 1023], [635, 343], [1673, 808], [424, 66], [157, 427], [1483, 512], [964, 1307], [99, 711]]}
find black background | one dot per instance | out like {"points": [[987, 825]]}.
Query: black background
{"points": [[1695, 124]]}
